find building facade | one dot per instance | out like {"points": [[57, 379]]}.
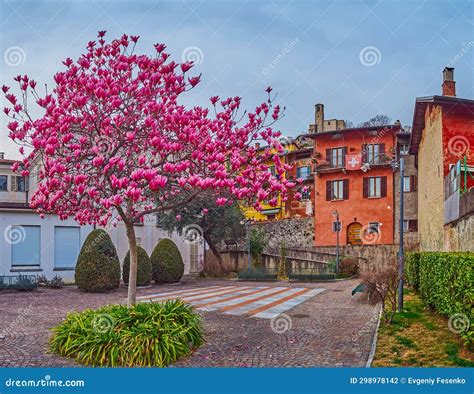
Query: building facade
{"points": [[50, 246], [442, 136], [354, 184]]}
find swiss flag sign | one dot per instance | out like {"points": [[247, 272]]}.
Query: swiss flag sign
{"points": [[353, 162]]}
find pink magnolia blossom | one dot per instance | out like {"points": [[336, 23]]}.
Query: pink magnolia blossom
{"points": [[113, 137]]}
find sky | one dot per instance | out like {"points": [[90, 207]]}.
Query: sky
{"points": [[358, 58]]}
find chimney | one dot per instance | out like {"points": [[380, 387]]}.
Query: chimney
{"points": [[319, 117], [449, 86]]}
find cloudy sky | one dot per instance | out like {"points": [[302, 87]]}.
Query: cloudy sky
{"points": [[359, 58]]}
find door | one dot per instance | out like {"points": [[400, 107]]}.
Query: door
{"points": [[353, 234]]}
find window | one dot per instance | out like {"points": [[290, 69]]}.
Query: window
{"points": [[3, 183], [374, 228], [335, 157], [405, 226], [305, 193], [25, 245], [374, 152], [404, 149], [67, 243], [272, 170], [337, 190], [18, 183], [375, 187], [303, 172], [410, 225], [406, 184]]}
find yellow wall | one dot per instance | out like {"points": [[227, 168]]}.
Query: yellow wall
{"points": [[430, 183], [252, 213]]}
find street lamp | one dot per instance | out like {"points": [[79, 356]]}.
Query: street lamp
{"points": [[338, 228]]}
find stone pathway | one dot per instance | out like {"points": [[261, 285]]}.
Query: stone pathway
{"points": [[327, 328]]}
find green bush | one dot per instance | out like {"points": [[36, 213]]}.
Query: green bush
{"points": [[145, 335], [446, 284], [167, 263], [98, 266], [413, 269], [143, 267]]}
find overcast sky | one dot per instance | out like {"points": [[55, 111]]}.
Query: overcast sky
{"points": [[359, 58]]}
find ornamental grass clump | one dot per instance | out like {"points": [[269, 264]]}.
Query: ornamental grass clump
{"points": [[145, 335]]}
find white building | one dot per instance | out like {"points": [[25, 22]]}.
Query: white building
{"points": [[49, 246]]}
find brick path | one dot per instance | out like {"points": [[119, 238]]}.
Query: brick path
{"points": [[328, 329]]}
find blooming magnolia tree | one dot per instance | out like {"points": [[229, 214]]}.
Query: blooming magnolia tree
{"points": [[114, 141]]}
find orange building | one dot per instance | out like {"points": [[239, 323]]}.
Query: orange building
{"points": [[355, 180]]}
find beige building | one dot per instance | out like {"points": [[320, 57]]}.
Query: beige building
{"points": [[321, 124]]}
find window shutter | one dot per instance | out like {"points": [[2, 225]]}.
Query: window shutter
{"points": [[345, 189], [381, 149], [364, 153], [13, 186], [344, 154], [328, 190], [328, 155], [412, 183], [413, 225], [383, 186], [365, 187]]}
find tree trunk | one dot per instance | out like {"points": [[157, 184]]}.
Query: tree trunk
{"points": [[132, 278], [215, 252]]}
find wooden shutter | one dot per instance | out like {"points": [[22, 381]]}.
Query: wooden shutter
{"points": [[364, 153], [365, 187], [412, 183], [13, 186], [345, 189], [381, 149], [328, 191], [328, 155], [383, 186], [344, 153], [413, 225]]}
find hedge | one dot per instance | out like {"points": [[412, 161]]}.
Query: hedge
{"points": [[444, 282], [167, 263], [143, 267], [413, 269]]}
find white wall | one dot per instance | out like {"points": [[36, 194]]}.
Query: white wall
{"points": [[147, 235]]}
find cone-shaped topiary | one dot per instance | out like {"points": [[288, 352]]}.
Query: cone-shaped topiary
{"points": [[143, 267], [98, 266], [167, 263]]}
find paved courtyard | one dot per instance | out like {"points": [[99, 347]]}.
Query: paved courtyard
{"points": [[246, 323]]}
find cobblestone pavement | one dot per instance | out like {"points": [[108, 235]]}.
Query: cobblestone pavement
{"points": [[329, 329]]}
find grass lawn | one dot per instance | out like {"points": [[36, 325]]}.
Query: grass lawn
{"points": [[419, 337]]}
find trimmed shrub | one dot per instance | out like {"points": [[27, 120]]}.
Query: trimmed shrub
{"points": [[98, 266], [413, 269], [145, 335], [167, 263], [445, 284], [143, 267]]}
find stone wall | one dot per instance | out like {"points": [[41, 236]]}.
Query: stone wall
{"points": [[294, 232]]}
